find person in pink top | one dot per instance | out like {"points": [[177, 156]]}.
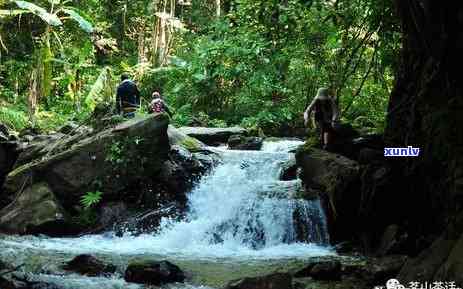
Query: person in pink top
{"points": [[158, 105]]}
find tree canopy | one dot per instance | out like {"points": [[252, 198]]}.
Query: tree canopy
{"points": [[255, 63]]}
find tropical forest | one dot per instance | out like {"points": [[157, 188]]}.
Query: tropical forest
{"points": [[231, 144]]}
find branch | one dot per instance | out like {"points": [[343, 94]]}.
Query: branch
{"points": [[367, 74]]}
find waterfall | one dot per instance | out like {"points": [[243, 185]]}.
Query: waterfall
{"points": [[240, 210], [243, 203]]}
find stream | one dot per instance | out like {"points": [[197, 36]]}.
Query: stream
{"points": [[242, 221]]}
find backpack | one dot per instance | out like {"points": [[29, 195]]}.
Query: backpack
{"points": [[323, 110]]}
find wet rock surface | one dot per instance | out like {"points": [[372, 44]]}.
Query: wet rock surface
{"points": [[35, 207], [240, 142], [272, 281], [212, 136], [153, 273], [327, 270], [90, 266], [335, 179]]}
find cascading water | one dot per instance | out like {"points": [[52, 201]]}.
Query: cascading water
{"points": [[241, 211]]}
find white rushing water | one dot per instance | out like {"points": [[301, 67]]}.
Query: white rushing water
{"points": [[241, 210]]}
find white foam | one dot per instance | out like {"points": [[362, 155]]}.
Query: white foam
{"points": [[225, 206]]}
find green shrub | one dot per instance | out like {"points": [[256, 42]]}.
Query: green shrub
{"points": [[13, 118]]}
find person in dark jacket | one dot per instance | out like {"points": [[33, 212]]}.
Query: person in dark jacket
{"points": [[326, 114], [127, 97]]}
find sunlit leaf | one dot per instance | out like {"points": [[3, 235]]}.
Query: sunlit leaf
{"points": [[51, 19], [12, 12], [84, 24]]}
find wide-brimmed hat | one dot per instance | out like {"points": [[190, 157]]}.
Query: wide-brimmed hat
{"points": [[323, 93]]}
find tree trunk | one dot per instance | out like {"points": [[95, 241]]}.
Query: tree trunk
{"points": [[426, 111]]}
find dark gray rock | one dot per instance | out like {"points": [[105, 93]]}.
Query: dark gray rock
{"points": [[272, 281], [125, 160], [17, 282], [36, 206], [452, 268], [240, 142], [147, 222], [289, 172], [392, 241], [330, 270], [112, 213], [337, 181], [212, 136], [325, 270], [153, 273], [90, 266], [426, 265], [8, 156], [382, 269], [72, 128]]}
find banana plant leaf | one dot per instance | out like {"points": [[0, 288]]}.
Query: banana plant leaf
{"points": [[51, 19], [84, 24]]}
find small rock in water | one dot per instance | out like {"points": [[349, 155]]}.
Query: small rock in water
{"points": [[153, 273], [290, 172], [327, 270], [17, 282], [239, 142], [272, 281], [90, 266], [330, 270]]}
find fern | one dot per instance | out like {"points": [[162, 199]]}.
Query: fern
{"points": [[91, 199]]}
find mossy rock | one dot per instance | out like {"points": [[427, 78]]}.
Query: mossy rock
{"points": [[176, 137], [153, 272]]}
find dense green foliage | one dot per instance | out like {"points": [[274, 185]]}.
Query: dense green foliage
{"points": [[255, 63]]}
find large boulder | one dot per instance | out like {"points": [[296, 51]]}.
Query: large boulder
{"points": [[34, 147], [452, 268], [153, 273], [272, 281], [425, 266], [35, 207], [111, 157], [212, 136], [124, 162], [179, 138], [441, 261], [336, 180]]}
